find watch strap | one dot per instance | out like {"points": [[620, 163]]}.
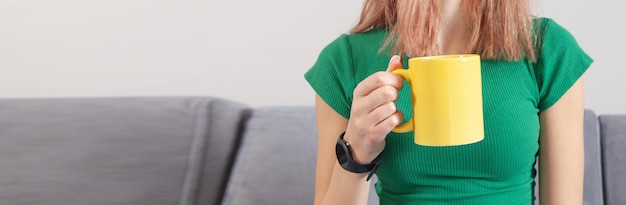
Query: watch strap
{"points": [[346, 160]]}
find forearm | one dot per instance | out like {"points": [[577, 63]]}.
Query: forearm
{"points": [[335, 185], [373, 114], [347, 188]]}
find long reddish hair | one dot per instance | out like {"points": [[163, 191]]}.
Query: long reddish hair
{"points": [[498, 28]]}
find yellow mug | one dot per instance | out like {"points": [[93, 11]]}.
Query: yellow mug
{"points": [[447, 100]]}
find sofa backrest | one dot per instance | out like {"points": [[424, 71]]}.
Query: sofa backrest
{"points": [[147, 150], [276, 160], [613, 136], [180, 150], [593, 189]]}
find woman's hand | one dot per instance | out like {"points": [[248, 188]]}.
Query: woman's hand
{"points": [[374, 113]]}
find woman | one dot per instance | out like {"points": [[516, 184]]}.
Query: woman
{"points": [[532, 102]]}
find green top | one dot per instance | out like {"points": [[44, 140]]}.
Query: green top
{"points": [[496, 170]]}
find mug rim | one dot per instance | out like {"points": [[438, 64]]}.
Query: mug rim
{"points": [[446, 57]]}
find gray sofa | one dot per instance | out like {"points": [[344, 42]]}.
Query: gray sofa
{"points": [[200, 151]]}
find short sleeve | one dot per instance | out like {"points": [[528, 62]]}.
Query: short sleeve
{"points": [[332, 75], [560, 63]]}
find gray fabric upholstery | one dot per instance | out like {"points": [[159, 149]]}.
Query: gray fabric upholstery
{"points": [[593, 194], [276, 160], [613, 135], [225, 120], [201, 151], [109, 151], [257, 177]]}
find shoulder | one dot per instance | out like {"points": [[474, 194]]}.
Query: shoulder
{"points": [[555, 42], [370, 41], [551, 33], [561, 61], [372, 34], [358, 50], [358, 42], [544, 23]]}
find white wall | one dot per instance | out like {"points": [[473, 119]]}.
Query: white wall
{"points": [[251, 51], [599, 28]]}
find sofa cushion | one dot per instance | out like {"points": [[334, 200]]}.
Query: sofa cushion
{"points": [[114, 150], [276, 160], [613, 137]]}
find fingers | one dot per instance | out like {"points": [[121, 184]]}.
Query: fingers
{"points": [[371, 132], [392, 121], [380, 87], [386, 116], [377, 80], [377, 89], [378, 97], [374, 113], [394, 63]]}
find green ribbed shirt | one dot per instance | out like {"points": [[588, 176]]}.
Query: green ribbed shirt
{"points": [[496, 170]]}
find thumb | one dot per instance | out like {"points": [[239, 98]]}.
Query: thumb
{"points": [[394, 63]]}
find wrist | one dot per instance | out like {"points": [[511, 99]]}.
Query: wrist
{"points": [[345, 157], [359, 150]]}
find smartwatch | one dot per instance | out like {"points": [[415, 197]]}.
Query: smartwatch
{"points": [[345, 159]]}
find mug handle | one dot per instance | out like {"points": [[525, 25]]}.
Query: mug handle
{"points": [[407, 126]]}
